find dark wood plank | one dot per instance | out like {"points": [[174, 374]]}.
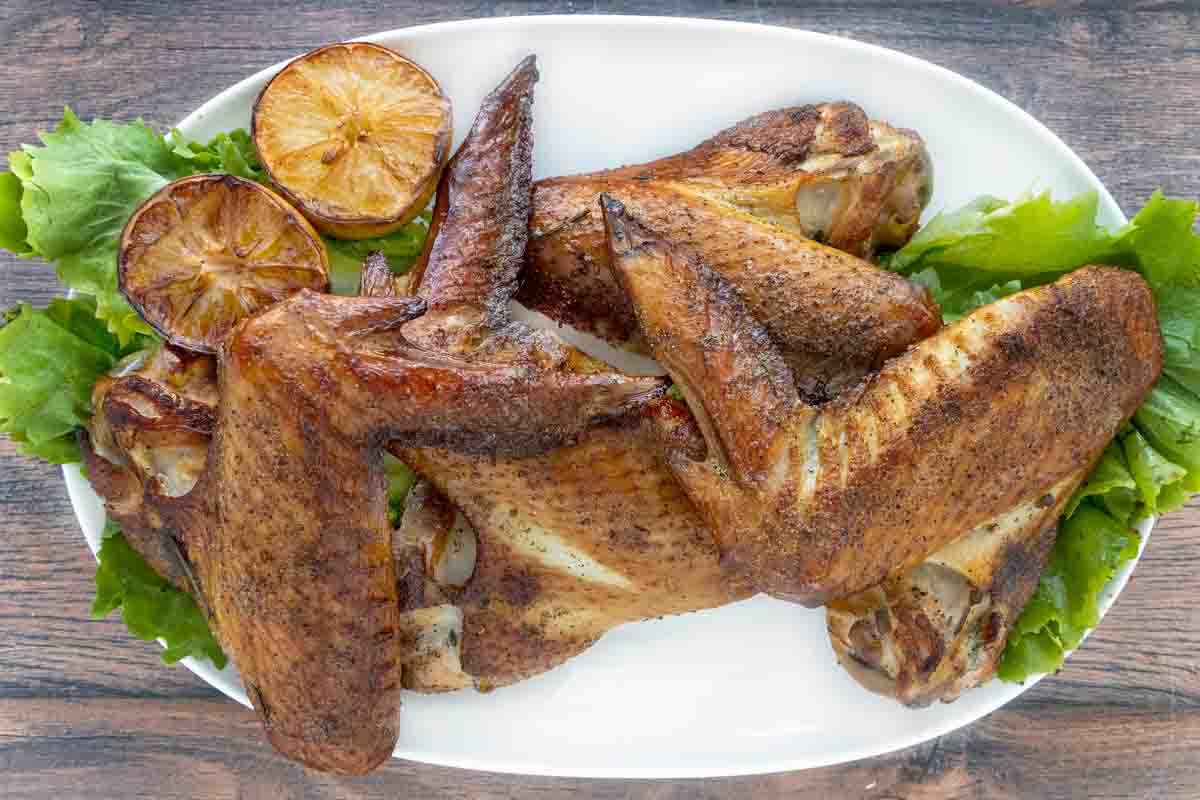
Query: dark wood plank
{"points": [[165, 749], [87, 711]]}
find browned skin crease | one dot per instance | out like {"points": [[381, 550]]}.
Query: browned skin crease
{"points": [[834, 317], [428, 518], [148, 444], [967, 424], [133, 506]]}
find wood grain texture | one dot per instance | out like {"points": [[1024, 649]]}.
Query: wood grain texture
{"points": [[86, 711]]}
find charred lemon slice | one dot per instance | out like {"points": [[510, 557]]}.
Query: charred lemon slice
{"points": [[207, 250], [355, 135]]}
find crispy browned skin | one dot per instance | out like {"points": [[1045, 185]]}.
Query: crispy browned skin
{"points": [[819, 504], [935, 630], [834, 316], [571, 542], [298, 564]]}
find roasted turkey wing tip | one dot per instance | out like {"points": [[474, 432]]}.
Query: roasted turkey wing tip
{"points": [[525, 70]]}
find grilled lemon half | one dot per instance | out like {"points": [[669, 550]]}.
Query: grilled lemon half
{"points": [[355, 135], [207, 250]]}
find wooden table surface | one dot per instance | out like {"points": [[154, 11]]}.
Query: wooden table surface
{"points": [[87, 711]]}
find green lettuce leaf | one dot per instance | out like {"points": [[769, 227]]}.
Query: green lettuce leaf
{"points": [[1123, 504], [947, 229], [1181, 334], [1024, 656], [1159, 481], [232, 152], [991, 248], [49, 360], [80, 186], [400, 481], [1169, 418], [1110, 473], [1090, 548], [13, 233], [1159, 243], [1030, 236], [401, 248], [964, 291], [150, 606], [78, 189]]}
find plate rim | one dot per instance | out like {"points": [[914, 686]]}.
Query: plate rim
{"points": [[78, 488]]}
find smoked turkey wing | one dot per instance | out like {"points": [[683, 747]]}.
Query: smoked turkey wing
{"points": [[749, 203], [146, 447], [818, 504], [826, 171], [296, 560], [299, 566]]}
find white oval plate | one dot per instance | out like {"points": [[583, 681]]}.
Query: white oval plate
{"points": [[752, 687]]}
